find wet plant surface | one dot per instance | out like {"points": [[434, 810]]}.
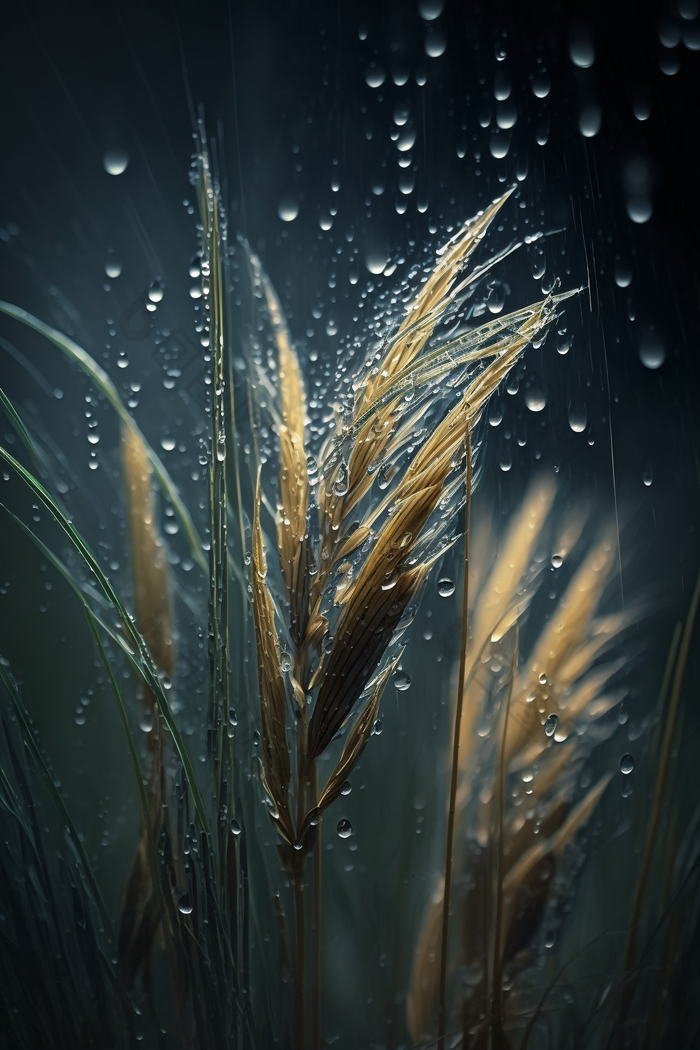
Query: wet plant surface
{"points": [[348, 563]]}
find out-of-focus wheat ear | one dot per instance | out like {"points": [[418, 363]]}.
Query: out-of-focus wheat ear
{"points": [[565, 632], [273, 701], [422, 990], [424, 313], [152, 602]]}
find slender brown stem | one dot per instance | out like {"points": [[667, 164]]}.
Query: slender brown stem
{"points": [[662, 776], [316, 929], [497, 980], [454, 773], [300, 981]]}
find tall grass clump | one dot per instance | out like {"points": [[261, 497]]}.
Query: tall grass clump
{"points": [[315, 554]]}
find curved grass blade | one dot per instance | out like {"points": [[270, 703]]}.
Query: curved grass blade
{"points": [[105, 384], [147, 667]]}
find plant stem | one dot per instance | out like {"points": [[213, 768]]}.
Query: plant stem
{"points": [[300, 990], [316, 929], [664, 761], [454, 774], [497, 1038]]}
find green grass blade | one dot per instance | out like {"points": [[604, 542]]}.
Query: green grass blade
{"points": [[148, 669], [30, 741], [105, 384]]}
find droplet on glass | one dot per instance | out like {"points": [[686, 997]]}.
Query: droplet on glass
{"points": [[446, 587], [344, 828], [626, 764], [623, 275], [375, 76], [578, 418], [589, 121], [113, 269], [535, 399], [376, 259], [647, 475], [406, 140], [156, 291], [402, 681], [652, 352], [435, 44], [288, 209], [581, 47], [430, 9], [550, 725], [116, 160], [557, 561]]}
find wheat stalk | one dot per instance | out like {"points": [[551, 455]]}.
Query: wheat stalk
{"points": [[556, 683]]}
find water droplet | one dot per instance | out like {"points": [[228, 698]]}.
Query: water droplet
{"points": [[640, 209], [652, 352], [342, 483], [406, 140], [499, 145], [578, 418], [184, 905], [535, 399], [402, 681], [376, 259], [623, 275], [540, 85], [235, 827], [116, 160], [557, 561], [156, 291], [626, 764], [288, 209], [589, 120], [550, 725], [113, 269], [311, 466], [435, 44], [647, 475], [446, 587], [431, 9], [344, 828], [581, 47], [346, 788], [168, 443], [375, 76], [285, 661], [196, 290], [542, 679]]}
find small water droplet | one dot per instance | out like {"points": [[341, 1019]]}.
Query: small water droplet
{"points": [[578, 418], [235, 827], [550, 725], [285, 661], [168, 443], [344, 828], [626, 764], [581, 47], [375, 76], [402, 681], [116, 160], [557, 561], [346, 788], [647, 476], [113, 269], [184, 905], [446, 587], [542, 679]]}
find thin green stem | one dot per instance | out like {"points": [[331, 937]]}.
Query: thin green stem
{"points": [[454, 774]]}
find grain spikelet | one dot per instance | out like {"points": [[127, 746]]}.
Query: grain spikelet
{"points": [[273, 700]]}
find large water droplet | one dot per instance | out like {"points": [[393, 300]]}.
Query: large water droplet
{"points": [[578, 418], [435, 44], [344, 828], [375, 76], [652, 352], [550, 725], [406, 140], [535, 399], [376, 259], [446, 587], [626, 764], [402, 681], [116, 160], [431, 9], [113, 269], [581, 47], [288, 209]]}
